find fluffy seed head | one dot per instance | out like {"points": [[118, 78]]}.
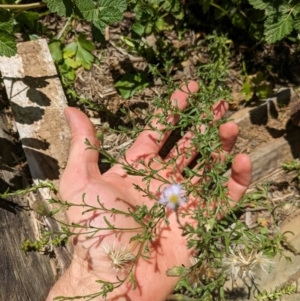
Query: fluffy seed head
{"points": [[120, 257], [242, 264]]}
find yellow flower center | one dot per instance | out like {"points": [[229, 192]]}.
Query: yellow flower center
{"points": [[173, 199]]}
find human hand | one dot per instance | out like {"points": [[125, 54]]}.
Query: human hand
{"points": [[115, 189]]}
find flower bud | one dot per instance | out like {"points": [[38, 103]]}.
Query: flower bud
{"points": [[177, 271]]}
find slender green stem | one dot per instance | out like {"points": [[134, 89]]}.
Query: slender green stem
{"points": [[28, 189], [220, 8], [95, 229], [64, 30], [23, 6]]}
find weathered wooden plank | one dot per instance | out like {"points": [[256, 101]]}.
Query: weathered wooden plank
{"points": [[23, 277], [260, 114], [37, 100], [267, 159]]}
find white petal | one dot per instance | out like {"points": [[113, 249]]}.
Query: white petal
{"points": [[176, 188], [163, 200], [171, 206]]}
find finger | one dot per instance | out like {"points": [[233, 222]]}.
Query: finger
{"points": [[151, 141], [185, 151], [240, 179], [228, 134], [238, 183], [82, 162]]}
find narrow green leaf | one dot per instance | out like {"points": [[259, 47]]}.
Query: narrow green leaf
{"points": [[276, 30], [110, 226], [8, 45]]}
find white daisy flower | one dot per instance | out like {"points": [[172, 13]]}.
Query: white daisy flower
{"points": [[172, 196]]}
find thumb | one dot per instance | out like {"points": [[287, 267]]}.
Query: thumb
{"points": [[82, 162]]}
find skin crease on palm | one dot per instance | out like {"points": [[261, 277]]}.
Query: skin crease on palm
{"points": [[115, 190]]}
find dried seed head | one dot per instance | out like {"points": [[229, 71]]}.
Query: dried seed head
{"points": [[287, 209], [200, 273], [120, 257], [242, 264], [194, 260]]}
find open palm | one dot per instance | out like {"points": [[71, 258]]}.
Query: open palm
{"points": [[115, 189]]}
